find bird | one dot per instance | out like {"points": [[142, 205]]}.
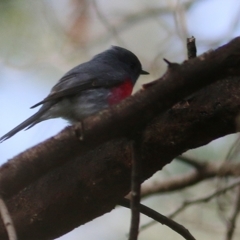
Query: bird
{"points": [[103, 81]]}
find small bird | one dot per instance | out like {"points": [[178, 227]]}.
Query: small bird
{"points": [[105, 80]]}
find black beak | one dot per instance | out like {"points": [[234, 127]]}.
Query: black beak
{"points": [[144, 72]]}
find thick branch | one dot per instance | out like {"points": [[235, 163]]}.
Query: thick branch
{"points": [[92, 184], [83, 187], [124, 119]]}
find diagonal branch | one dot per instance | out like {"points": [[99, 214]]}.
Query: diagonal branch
{"points": [[162, 219], [205, 199], [79, 181], [122, 120], [231, 224], [207, 171]]}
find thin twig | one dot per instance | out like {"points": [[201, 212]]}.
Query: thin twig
{"points": [[190, 161], [196, 201], [234, 149], [161, 219], [232, 221], [203, 199], [7, 221], [135, 191], [191, 48]]}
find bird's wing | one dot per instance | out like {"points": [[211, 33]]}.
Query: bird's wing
{"points": [[56, 95], [76, 81]]}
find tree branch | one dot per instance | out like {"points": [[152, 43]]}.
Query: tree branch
{"points": [[77, 180], [162, 219], [135, 189], [231, 224], [208, 170], [7, 221], [205, 199], [191, 48], [122, 120]]}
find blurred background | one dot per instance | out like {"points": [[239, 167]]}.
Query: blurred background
{"points": [[41, 40]]}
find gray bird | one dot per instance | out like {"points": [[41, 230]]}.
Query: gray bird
{"points": [[105, 80]]}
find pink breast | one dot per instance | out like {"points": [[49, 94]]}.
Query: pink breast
{"points": [[120, 92]]}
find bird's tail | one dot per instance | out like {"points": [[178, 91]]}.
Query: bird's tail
{"points": [[28, 123]]}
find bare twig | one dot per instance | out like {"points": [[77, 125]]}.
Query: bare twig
{"points": [[7, 221], [204, 199], [209, 170], [135, 191], [234, 149], [189, 203], [191, 48], [161, 219], [190, 161], [232, 221], [205, 118]]}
